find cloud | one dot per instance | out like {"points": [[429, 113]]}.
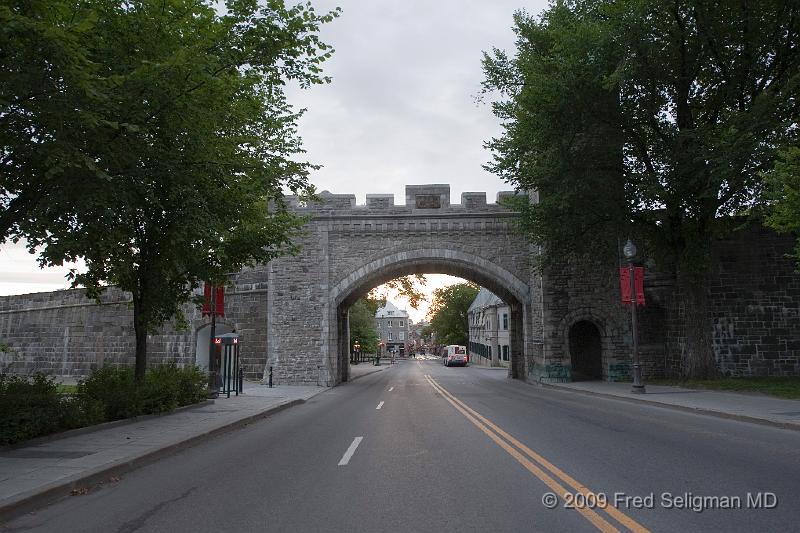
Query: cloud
{"points": [[401, 108]]}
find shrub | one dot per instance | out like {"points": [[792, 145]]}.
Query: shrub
{"points": [[29, 407], [115, 389], [32, 406], [164, 388]]}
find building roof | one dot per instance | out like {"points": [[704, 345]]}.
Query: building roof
{"points": [[485, 298], [391, 311]]}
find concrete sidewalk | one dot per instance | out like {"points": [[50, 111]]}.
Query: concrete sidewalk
{"points": [[750, 407], [51, 468]]}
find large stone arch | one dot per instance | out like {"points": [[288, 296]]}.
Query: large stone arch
{"points": [[480, 270], [445, 261]]}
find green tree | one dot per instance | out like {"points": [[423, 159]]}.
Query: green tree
{"points": [[784, 191], [362, 323], [448, 313], [362, 313], [178, 136], [649, 119]]}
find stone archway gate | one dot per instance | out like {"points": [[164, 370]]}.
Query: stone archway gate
{"points": [[347, 249], [292, 312]]}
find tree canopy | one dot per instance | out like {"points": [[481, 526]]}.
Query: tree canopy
{"points": [[448, 313], [783, 185], [649, 119], [153, 139], [362, 323]]}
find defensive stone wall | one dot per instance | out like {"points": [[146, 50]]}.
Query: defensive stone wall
{"points": [[347, 249], [291, 314], [754, 302], [65, 333]]}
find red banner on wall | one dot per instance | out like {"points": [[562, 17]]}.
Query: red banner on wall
{"points": [[220, 300], [625, 284], [206, 299]]}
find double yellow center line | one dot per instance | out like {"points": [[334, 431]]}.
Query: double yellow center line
{"points": [[541, 467]]}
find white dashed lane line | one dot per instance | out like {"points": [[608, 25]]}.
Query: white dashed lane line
{"points": [[379, 405], [350, 451]]}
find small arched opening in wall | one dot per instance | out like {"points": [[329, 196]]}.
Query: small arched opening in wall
{"points": [[203, 338], [585, 351], [587, 344], [480, 271]]}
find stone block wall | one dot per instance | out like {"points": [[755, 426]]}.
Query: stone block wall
{"points": [[754, 306], [67, 334], [572, 293], [344, 241], [291, 313]]}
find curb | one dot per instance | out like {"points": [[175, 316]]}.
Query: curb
{"points": [[53, 492], [695, 410], [362, 375]]}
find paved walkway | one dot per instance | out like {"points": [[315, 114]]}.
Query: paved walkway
{"points": [[752, 407], [50, 468]]}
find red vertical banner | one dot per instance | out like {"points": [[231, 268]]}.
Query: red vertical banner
{"points": [[638, 282], [206, 299], [625, 284], [220, 310]]}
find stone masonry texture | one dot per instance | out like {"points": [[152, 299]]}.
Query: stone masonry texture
{"points": [[291, 314]]}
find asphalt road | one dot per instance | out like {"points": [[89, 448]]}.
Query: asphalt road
{"points": [[420, 447]]}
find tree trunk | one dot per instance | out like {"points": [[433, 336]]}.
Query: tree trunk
{"points": [[140, 330], [698, 356]]}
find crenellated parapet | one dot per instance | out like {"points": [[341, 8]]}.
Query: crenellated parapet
{"points": [[420, 199]]}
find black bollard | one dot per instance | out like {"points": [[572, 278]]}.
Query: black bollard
{"points": [[241, 380], [270, 377]]}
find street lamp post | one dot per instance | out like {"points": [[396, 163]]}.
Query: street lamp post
{"points": [[213, 384], [629, 251]]}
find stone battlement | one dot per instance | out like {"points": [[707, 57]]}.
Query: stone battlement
{"points": [[426, 198]]}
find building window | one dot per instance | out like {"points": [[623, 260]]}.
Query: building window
{"points": [[505, 321], [505, 352], [390, 323], [402, 336], [402, 324], [389, 337]]}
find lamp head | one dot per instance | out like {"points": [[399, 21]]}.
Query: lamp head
{"points": [[629, 250]]}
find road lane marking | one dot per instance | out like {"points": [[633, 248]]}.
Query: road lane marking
{"points": [[495, 432], [611, 510], [379, 405], [350, 451], [391, 389]]}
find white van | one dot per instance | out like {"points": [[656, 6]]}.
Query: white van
{"points": [[455, 354]]}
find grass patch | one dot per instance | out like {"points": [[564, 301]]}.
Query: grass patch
{"points": [[67, 389], [782, 387]]}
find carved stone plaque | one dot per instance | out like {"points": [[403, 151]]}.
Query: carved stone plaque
{"points": [[428, 201]]}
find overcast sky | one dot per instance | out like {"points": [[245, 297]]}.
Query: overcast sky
{"points": [[400, 110]]}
